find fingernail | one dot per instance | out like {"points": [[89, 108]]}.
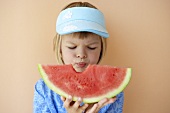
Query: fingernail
{"points": [[86, 105], [115, 99], [96, 105], [79, 99], [69, 97]]}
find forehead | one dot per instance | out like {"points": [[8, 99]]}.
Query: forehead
{"points": [[81, 35]]}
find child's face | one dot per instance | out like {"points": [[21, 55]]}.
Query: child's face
{"points": [[80, 52]]}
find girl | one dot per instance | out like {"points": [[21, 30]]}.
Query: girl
{"points": [[80, 41]]}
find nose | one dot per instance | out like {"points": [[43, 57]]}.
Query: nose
{"points": [[81, 56], [81, 53]]}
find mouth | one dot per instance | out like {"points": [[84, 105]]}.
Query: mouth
{"points": [[81, 64]]}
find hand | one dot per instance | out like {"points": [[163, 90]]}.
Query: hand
{"points": [[94, 108], [73, 107]]}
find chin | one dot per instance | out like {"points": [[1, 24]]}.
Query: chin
{"points": [[79, 69]]}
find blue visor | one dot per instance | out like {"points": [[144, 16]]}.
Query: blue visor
{"points": [[81, 19]]}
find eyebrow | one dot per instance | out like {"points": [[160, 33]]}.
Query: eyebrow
{"points": [[87, 44], [70, 42], [93, 43]]}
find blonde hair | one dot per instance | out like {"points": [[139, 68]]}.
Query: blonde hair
{"points": [[57, 39]]}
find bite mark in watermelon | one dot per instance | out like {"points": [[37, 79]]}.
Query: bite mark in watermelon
{"points": [[93, 84]]}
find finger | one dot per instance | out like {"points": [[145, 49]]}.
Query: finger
{"points": [[77, 103], [102, 102], [93, 109], [84, 107], [68, 101], [63, 98], [111, 100]]}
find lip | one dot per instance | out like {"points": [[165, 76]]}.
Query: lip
{"points": [[81, 64]]}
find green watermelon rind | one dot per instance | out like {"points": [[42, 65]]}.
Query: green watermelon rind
{"points": [[48, 82], [87, 100]]}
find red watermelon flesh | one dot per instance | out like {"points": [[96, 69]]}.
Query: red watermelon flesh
{"points": [[95, 83]]}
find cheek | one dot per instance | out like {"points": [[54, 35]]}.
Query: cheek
{"points": [[94, 57], [67, 57]]}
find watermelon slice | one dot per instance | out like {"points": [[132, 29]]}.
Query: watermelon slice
{"points": [[93, 84]]}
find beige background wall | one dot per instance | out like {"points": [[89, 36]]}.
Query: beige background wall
{"points": [[139, 38]]}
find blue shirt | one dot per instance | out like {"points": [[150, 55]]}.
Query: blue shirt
{"points": [[47, 101]]}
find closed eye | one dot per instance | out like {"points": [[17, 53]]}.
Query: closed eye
{"points": [[72, 47], [92, 48]]}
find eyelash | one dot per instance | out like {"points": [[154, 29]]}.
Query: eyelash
{"points": [[91, 48], [72, 47]]}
